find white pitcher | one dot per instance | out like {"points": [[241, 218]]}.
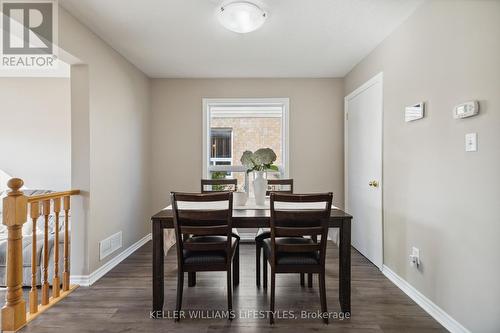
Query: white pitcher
{"points": [[240, 198]]}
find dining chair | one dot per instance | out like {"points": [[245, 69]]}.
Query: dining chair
{"points": [[216, 186], [274, 185], [279, 185], [210, 245], [289, 250]]}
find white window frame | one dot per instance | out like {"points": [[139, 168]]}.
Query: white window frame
{"points": [[221, 159], [210, 103]]}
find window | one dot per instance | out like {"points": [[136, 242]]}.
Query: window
{"points": [[231, 126]]}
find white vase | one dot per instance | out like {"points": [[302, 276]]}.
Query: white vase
{"points": [[260, 188]]}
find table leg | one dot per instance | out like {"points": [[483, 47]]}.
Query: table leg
{"points": [[345, 266], [158, 257]]}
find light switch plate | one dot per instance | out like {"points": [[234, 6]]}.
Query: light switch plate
{"points": [[471, 142]]}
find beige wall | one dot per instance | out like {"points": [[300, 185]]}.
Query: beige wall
{"points": [[112, 99], [436, 196], [316, 130], [35, 131]]}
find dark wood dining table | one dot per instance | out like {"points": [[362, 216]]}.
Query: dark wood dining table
{"points": [[254, 218]]}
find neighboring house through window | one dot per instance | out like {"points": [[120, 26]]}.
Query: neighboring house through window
{"points": [[221, 150], [232, 126], [221, 147]]}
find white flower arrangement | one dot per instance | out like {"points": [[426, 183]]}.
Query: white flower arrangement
{"points": [[261, 160]]}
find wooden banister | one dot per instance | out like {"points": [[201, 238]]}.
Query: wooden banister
{"points": [[53, 195], [15, 213]]}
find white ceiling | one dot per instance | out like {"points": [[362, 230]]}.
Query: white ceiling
{"points": [[301, 38]]}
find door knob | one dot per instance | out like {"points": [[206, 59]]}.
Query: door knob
{"points": [[373, 183]]}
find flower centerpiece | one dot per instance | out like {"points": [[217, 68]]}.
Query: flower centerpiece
{"points": [[259, 162]]}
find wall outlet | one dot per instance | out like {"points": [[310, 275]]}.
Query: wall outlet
{"points": [[415, 257], [110, 245]]}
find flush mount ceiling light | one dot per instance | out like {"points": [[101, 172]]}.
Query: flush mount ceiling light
{"points": [[241, 16]]}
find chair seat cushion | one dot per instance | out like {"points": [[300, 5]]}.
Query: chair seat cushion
{"points": [[207, 257], [263, 234], [293, 258], [236, 234]]}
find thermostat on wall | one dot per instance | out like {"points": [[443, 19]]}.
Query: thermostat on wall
{"points": [[467, 109]]}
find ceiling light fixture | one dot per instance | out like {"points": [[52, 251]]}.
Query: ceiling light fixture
{"points": [[241, 16]]}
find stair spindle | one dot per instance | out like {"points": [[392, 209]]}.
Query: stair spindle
{"points": [[45, 267], [66, 206], [34, 214], [56, 284]]}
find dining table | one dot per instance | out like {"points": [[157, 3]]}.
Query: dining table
{"points": [[253, 216]]}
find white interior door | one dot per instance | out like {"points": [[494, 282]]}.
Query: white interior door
{"points": [[363, 167]]}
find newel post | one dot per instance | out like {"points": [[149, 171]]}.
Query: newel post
{"points": [[15, 211]]}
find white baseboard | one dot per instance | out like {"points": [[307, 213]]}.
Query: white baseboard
{"points": [[88, 280], [430, 307]]}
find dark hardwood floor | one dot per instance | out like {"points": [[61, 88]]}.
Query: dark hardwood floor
{"points": [[121, 301]]}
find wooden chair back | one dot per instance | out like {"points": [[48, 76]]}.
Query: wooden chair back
{"points": [[291, 222], [209, 221], [218, 185], [277, 185]]}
